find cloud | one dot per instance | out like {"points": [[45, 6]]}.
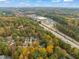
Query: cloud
{"points": [[55, 0], [23, 4], [27, 1], [68, 0], [3, 0], [39, 1]]}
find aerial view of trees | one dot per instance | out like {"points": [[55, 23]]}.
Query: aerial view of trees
{"points": [[67, 20], [23, 38]]}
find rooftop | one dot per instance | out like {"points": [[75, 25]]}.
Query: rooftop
{"points": [[40, 17]]}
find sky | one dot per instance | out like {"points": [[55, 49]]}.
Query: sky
{"points": [[39, 3]]}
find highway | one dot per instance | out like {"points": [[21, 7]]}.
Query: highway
{"points": [[57, 34], [47, 24]]}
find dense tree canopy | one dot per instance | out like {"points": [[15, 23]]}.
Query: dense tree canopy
{"points": [[15, 36]]}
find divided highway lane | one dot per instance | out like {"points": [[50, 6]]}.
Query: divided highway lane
{"points": [[47, 24], [54, 32], [71, 39]]}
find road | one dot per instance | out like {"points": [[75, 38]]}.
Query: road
{"points": [[63, 38], [47, 24], [53, 31]]}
